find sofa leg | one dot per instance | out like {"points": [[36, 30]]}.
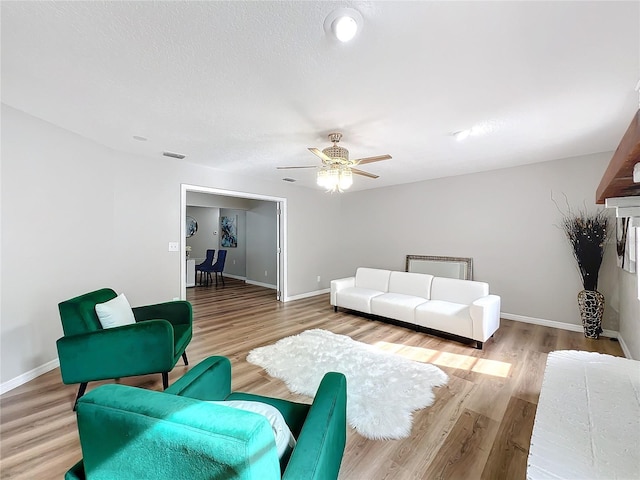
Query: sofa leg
{"points": [[81, 390], [184, 358], [165, 380], [335, 308], [479, 345]]}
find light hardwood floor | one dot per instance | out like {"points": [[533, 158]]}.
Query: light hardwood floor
{"points": [[478, 428]]}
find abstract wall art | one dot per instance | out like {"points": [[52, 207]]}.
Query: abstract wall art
{"points": [[229, 228]]}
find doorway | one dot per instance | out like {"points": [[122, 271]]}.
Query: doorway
{"points": [[280, 232]]}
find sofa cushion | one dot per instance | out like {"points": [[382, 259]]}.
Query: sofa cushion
{"points": [[396, 305], [458, 291], [445, 316], [408, 283], [356, 298], [373, 279]]}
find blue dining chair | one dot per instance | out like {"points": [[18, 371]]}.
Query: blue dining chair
{"points": [[218, 267], [206, 266]]}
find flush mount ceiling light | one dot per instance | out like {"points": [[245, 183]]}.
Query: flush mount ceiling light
{"points": [[343, 24]]}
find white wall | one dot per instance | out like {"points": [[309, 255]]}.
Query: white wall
{"points": [[77, 216], [236, 260], [262, 235], [504, 219], [630, 311], [206, 238]]}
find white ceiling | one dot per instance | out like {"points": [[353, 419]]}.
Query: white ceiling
{"points": [[247, 86]]}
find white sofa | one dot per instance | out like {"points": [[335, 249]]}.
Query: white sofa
{"points": [[460, 307]]}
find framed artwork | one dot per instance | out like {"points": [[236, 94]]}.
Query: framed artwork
{"points": [[229, 229], [626, 244], [450, 267], [191, 226]]}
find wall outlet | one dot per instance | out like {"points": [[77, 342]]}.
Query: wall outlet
{"points": [[265, 273], [318, 279], [174, 246]]}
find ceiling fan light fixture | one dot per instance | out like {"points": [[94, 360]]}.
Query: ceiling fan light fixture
{"points": [[335, 179], [346, 179]]}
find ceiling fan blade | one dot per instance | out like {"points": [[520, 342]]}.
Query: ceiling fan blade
{"points": [[306, 166], [320, 154], [363, 173], [362, 161]]}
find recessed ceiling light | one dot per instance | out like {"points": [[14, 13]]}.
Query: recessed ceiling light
{"points": [[343, 24], [345, 28]]}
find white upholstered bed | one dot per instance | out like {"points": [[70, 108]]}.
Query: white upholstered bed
{"points": [[587, 424]]}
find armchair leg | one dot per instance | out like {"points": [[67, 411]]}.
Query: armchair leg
{"points": [[478, 345], [81, 390], [165, 380], [184, 357]]}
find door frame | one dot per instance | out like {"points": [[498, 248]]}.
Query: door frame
{"points": [[281, 219]]}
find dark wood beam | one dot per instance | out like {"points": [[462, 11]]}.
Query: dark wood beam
{"points": [[617, 180]]}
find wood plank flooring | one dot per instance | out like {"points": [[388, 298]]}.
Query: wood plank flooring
{"points": [[478, 428]]}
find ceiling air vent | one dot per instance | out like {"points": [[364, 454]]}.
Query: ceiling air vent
{"points": [[173, 155]]}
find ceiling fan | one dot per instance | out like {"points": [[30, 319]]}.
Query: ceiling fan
{"points": [[336, 171]]}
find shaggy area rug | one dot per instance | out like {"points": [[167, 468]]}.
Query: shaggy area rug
{"points": [[383, 388]]}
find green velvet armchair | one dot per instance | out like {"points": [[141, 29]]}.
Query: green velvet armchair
{"points": [[153, 344], [132, 433]]}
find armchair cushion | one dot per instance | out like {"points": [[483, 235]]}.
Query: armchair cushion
{"points": [[115, 313]]}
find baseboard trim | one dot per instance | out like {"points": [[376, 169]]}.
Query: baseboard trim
{"points": [[260, 284], [30, 375], [625, 349], [315, 293], [553, 324], [237, 277]]}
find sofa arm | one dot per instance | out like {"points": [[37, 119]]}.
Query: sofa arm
{"points": [[178, 312], [320, 445], [208, 380], [136, 349], [485, 316], [340, 284]]}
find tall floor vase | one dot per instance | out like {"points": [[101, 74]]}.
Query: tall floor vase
{"points": [[591, 305]]}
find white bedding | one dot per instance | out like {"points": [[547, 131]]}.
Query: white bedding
{"points": [[587, 424]]}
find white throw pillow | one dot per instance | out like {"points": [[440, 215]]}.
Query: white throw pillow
{"points": [[115, 313], [284, 437]]}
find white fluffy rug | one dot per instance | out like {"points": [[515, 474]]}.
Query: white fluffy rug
{"points": [[383, 388]]}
